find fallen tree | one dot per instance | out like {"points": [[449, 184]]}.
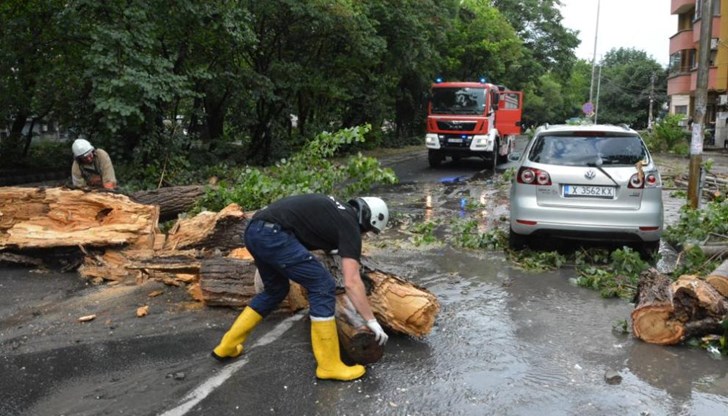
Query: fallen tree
{"points": [[668, 313], [117, 239]]}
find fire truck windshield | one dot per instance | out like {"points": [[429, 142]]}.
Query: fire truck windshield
{"points": [[469, 101]]}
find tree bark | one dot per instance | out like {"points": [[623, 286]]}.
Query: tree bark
{"points": [[172, 200]]}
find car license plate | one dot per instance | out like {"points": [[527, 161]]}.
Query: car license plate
{"points": [[588, 191], [454, 140]]}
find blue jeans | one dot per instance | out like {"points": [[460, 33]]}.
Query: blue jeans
{"points": [[279, 256]]}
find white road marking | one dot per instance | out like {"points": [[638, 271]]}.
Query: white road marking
{"points": [[204, 389]]}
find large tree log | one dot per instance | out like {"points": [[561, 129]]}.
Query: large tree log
{"points": [[652, 318], [398, 304], [668, 313], [57, 217], [172, 200], [222, 230]]}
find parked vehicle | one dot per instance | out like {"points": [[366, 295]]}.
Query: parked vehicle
{"points": [[587, 182], [472, 119]]}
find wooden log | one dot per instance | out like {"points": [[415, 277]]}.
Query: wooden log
{"points": [[694, 300], [227, 281], [719, 279], [171, 200], [716, 251], [356, 340], [652, 318], [398, 304], [222, 230], [59, 217]]}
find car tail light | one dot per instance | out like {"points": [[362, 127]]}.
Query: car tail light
{"points": [[636, 182], [530, 176], [650, 180]]}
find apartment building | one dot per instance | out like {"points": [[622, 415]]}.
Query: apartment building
{"points": [[683, 67]]}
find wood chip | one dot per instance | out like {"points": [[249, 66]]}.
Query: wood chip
{"points": [[87, 318], [155, 293], [142, 311]]}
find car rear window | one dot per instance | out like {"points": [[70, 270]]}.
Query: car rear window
{"points": [[591, 150]]}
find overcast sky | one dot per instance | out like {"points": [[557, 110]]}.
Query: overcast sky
{"points": [[640, 24]]}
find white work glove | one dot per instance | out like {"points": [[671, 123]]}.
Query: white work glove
{"points": [[379, 335]]}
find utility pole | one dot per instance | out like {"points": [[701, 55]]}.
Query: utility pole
{"points": [[701, 102], [599, 87], [652, 99], [594, 56]]}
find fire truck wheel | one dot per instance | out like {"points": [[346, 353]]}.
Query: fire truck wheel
{"points": [[434, 158]]}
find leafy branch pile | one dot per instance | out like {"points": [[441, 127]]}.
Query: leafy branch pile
{"points": [[312, 170]]}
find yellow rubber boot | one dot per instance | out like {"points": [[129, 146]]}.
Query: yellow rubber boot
{"points": [[325, 343], [231, 345]]}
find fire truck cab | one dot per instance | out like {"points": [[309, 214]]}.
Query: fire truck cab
{"points": [[467, 119]]}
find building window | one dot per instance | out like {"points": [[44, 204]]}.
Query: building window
{"points": [[681, 109]]}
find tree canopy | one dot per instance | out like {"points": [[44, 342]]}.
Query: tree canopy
{"points": [[154, 82]]}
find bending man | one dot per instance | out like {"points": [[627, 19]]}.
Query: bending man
{"points": [[279, 237], [91, 167]]}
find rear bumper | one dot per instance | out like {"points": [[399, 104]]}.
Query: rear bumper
{"points": [[588, 224]]}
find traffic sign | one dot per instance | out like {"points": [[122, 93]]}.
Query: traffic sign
{"points": [[587, 108]]}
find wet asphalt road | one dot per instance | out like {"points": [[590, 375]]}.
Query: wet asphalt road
{"points": [[506, 342]]}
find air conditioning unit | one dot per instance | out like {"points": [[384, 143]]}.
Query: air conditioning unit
{"points": [[723, 99], [714, 43]]}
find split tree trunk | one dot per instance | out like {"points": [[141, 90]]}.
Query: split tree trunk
{"points": [[652, 317], [668, 313]]}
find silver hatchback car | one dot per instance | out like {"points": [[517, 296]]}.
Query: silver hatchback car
{"points": [[587, 183]]}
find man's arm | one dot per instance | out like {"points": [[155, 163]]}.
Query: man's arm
{"points": [[357, 294], [108, 177], [76, 176], [355, 288]]}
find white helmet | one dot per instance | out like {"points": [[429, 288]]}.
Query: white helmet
{"points": [[372, 213], [81, 147]]}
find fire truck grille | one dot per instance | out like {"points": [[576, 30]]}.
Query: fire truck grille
{"points": [[456, 125]]}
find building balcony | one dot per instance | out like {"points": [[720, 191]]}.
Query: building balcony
{"points": [[679, 84], [715, 29], [681, 6], [687, 83], [681, 41]]}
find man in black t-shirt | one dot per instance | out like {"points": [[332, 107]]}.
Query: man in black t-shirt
{"points": [[279, 237]]}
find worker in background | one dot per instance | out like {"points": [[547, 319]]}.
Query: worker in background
{"points": [[91, 167], [279, 237]]}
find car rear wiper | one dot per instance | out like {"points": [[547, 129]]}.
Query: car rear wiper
{"points": [[598, 164]]}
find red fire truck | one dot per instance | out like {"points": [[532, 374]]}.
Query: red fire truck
{"points": [[472, 119]]}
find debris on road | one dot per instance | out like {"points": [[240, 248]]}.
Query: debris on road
{"points": [[118, 240], [142, 311], [668, 313]]}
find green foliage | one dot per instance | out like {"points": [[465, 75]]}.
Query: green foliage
{"points": [[668, 136], [694, 261], [309, 171], [537, 261], [424, 233], [615, 275], [50, 155], [626, 87], [465, 233], [695, 226]]}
